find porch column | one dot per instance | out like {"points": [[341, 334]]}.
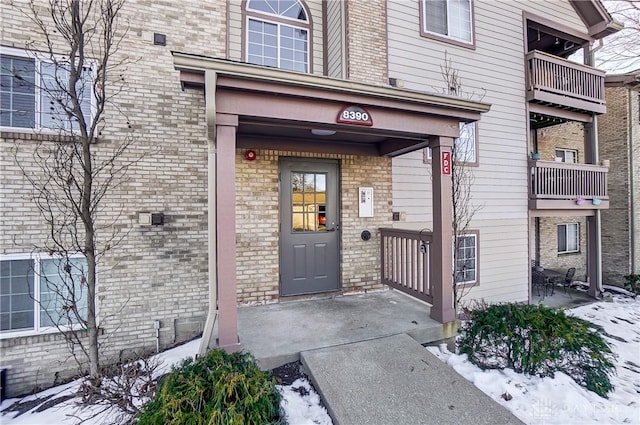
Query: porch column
{"points": [[594, 244], [226, 126], [442, 245]]}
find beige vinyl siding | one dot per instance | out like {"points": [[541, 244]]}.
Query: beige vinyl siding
{"points": [[494, 73], [335, 39], [236, 40]]}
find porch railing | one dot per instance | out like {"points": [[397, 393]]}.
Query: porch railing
{"points": [[559, 180], [554, 75], [405, 261]]}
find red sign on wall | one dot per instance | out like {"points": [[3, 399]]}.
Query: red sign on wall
{"points": [[446, 162]]}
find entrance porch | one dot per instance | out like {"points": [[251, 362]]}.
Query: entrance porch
{"points": [[277, 333], [257, 119]]}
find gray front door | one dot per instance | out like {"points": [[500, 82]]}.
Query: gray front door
{"points": [[309, 226]]}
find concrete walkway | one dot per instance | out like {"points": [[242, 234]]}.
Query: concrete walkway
{"points": [[394, 380], [276, 333]]}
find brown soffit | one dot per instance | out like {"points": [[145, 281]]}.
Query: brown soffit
{"points": [[595, 16], [192, 69]]}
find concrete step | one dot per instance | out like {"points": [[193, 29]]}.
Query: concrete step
{"points": [[394, 380]]}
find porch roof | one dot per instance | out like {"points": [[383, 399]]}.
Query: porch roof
{"points": [[277, 109]]}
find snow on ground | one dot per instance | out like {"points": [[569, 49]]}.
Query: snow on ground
{"points": [[534, 400], [560, 400], [300, 403]]}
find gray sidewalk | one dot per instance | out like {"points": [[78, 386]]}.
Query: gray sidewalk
{"points": [[394, 380]]}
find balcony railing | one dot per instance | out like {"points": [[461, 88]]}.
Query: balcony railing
{"points": [[556, 81], [405, 262], [559, 185]]}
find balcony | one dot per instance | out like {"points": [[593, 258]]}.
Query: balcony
{"points": [[559, 84], [562, 186]]}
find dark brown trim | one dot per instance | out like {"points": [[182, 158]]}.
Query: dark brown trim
{"points": [[254, 141], [325, 41], [560, 113], [346, 41], [227, 43], [443, 38]]}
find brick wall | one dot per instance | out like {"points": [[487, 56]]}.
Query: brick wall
{"points": [[367, 41], [155, 273], [549, 256], [161, 272], [257, 214], [565, 136], [620, 139]]}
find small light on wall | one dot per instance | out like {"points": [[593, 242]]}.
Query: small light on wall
{"points": [[150, 219], [396, 82], [250, 155], [322, 132], [157, 219]]}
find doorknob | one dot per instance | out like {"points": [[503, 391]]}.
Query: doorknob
{"points": [[334, 228]]}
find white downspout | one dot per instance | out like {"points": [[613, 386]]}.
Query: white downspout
{"points": [[208, 337]]}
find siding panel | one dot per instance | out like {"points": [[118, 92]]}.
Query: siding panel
{"points": [[492, 72]]}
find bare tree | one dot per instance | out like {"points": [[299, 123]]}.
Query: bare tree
{"points": [[73, 171], [621, 51], [462, 179]]}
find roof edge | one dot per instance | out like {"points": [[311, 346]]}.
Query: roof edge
{"points": [[597, 19], [198, 63]]}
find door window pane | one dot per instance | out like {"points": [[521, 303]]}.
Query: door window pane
{"points": [[308, 198]]}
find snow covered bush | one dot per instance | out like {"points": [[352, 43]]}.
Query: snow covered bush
{"points": [[220, 389], [538, 340]]}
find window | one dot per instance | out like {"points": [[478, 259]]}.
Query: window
{"points": [[467, 259], [450, 19], [278, 34], [34, 291], [567, 155], [33, 92], [464, 147], [568, 238]]}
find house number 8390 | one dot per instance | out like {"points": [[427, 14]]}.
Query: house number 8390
{"points": [[355, 115]]}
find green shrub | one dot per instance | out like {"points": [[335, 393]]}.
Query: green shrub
{"points": [[220, 389], [632, 283], [538, 340]]}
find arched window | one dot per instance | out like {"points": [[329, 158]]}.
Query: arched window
{"points": [[278, 34]]}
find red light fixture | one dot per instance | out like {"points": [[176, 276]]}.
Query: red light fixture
{"points": [[250, 155]]}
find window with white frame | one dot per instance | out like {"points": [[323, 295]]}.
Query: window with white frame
{"points": [[467, 259], [464, 147], [568, 237], [278, 34], [448, 18], [567, 155], [39, 293], [34, 92]]}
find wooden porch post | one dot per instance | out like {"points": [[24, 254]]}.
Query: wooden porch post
{"points": [[442, 246], [226, 126]]}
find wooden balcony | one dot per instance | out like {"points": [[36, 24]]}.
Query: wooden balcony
{"points": [[562, 186], [558, 83]]}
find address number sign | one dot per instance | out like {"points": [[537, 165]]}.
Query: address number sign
{"points": [[355, 115]]}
